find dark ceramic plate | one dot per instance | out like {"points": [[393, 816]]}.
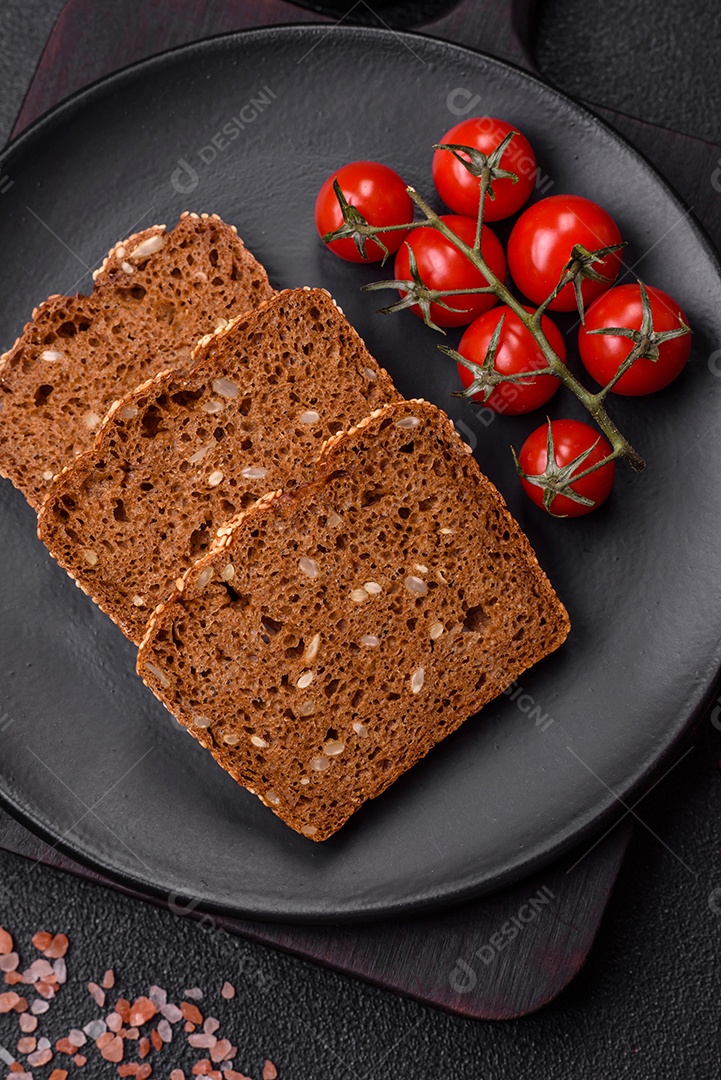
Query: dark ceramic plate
{"points": [[88, 757]]}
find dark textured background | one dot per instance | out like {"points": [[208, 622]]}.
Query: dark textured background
{"points": [[647, 1004]]}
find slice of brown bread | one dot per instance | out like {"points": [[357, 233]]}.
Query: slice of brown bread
{"points": [[183, 453], [155, 294], [334, 634]]}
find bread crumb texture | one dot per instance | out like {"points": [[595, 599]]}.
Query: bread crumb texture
{"points": [[334, 633], [186, 451], [155, 294]]}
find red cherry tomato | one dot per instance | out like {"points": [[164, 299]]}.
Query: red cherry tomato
{"points": [[543, 238], [603, 354], [459, 189], [378, 193], [517, 351], [443, 266], [570, 439]]}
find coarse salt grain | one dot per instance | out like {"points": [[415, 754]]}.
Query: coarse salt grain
{"points": [[9, 961], [202, 1041], [416, 585], [95, 1029], [138, 601], [308, 566], [215, 478], [156, 994], [228, 991], [165, 1031], [28, 1022], [39, 1007], [76, 1037], [171, 1012], [417, 680]]}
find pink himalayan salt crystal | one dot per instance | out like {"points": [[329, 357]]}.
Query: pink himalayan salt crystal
{"points": [[28, 1023], [9, 961], [171, 1012], [228, 991]]}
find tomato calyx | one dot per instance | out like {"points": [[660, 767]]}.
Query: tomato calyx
{"points": [[580, 266], [646, 340], [417, 293], [355, 227], [485, 376], [487, 167], [558, 479]]}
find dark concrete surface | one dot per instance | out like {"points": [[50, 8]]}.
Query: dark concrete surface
{"points": [[647, 1004]]}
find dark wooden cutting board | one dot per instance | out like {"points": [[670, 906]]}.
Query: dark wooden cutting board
{"points": [[510, 953]]}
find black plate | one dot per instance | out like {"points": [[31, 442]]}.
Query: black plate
{"points": [[89, 757]]}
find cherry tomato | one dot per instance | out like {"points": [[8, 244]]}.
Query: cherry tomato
{"points": [[603, 354], [376, 192], [571, 438], [541, 243], [443, 266], [459, 189], [517, 351]]}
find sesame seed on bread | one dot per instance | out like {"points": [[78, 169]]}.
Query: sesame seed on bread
{"points": [[155, 294], [186, 451], [334, 633]]}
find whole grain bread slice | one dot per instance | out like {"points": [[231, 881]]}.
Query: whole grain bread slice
{"points": [[183, 453], [154, 296], [334, 634]]}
